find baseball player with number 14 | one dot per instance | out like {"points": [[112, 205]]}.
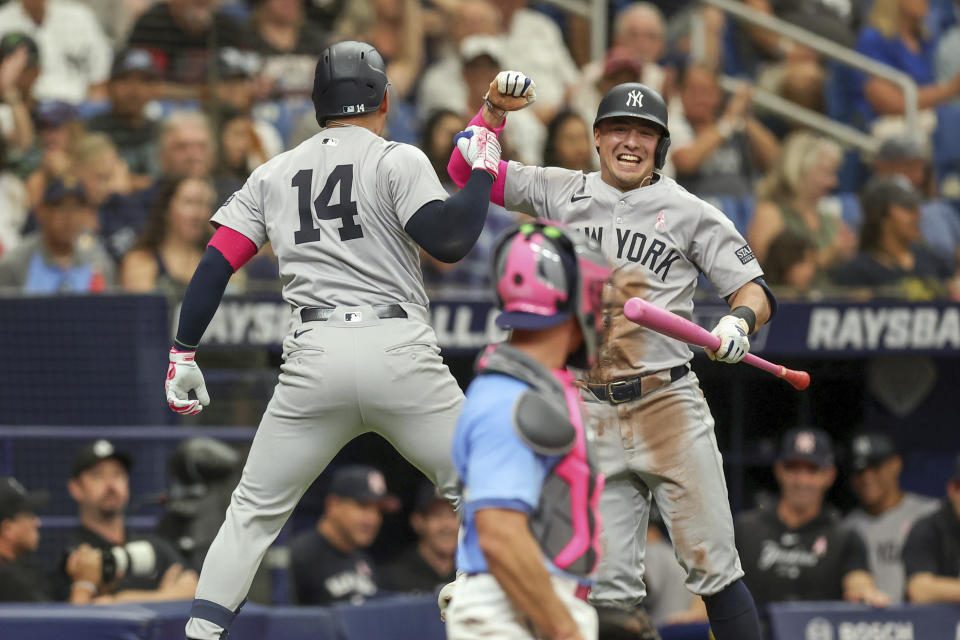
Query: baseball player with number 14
{"points": [[346, 213], [655, 437]]}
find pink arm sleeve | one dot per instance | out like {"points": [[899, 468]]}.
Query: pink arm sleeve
{"points": [[235, 247], [459, 170]]}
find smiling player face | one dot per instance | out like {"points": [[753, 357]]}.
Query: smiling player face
{"points": [[626, 147]]}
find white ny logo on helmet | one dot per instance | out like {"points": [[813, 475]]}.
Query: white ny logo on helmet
{"points": [[635, 99]]}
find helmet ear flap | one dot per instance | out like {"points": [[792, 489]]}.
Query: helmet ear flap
{"points": [[660, 155]]}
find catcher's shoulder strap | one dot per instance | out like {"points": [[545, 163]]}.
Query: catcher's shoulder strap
{"points": [[543, 426]]}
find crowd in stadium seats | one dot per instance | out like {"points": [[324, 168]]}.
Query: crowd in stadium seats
{"points": [[124, 125], [125, 99]]}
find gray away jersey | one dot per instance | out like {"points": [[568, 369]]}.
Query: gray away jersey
{"points": [[333, 209], [885, 534], [658, 238]]}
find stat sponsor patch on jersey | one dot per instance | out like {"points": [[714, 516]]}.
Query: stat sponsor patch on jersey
{"points": [[745, 253]]}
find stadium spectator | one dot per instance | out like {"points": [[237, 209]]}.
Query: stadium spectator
{"points": [[395, 29], [891, 259], [481, 58], [535, 45], [185, 149], [886, 511], [13, 204], [19, 69], [789, 197], [791, 264], [906, 155], [186, 145], [797, 548], [178, 34], [100, 484], [61, 256], [931, 554], [473, 272], [569, 143], [168, 251], [133, 83], [99, 168], [639, 28], [236, 89], [619, 66], [58, 126], [21, 580], [713, 153], [329, 564], [838, 21], [76, 52], [289, 45], [240, 151], [429, 565], [442, 85], [897, 36]]}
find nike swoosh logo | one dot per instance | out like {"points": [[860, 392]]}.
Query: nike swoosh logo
{"points": [[297, 334], [577, 198]]}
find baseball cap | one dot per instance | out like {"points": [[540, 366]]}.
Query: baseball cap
{"points": [[54, 113], [806, 444], [363, 484], [234, 63], [95, 452], [883, 191], [15, 499], [901, 147], [427, 496], [58, 189], [620, 59], [476, 46], [870, 449], [134, 60], [12, 41]]}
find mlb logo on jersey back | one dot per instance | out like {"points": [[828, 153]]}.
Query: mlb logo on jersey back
{"points": [[635, 99], [745, 253], [352, 316]]}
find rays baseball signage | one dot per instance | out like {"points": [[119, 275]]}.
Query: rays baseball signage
{"points": [[799, 329], [843, 621]]}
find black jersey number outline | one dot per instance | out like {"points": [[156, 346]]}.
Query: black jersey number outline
{"points": [[346, 210]]}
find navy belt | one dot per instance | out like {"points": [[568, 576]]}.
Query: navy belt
{"points": [[322, 314], [627, 389]]}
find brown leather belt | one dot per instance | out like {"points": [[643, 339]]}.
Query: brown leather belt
{"points": [[627, 389]]}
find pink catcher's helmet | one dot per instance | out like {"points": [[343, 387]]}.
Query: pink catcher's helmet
{"points": [[543, 273]]}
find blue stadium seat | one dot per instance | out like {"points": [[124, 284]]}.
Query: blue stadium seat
{"points": [[946, 142]]}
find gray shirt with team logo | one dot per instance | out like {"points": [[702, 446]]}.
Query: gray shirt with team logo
{"points": [[885, 534], [334, 210], [658, 237]]}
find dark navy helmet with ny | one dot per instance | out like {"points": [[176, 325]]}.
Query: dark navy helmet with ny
{"points": [[636, 100]]}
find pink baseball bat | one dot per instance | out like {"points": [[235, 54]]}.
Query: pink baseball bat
{"points": [[670, 324]]}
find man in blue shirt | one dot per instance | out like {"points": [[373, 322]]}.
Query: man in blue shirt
{"points": [[530, 487]]}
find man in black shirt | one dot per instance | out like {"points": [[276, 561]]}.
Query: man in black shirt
{"points": [[20, 579], [329, 564], [430, 564], [100, 484], [133, 83], [931, 554], [180, 34], [797, 549]]}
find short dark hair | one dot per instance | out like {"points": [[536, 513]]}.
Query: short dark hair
{"points": [[786, 250], [550, 158]]}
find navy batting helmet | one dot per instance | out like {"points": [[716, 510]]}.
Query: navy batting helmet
{"points": [[350, 79], [635, 100]]}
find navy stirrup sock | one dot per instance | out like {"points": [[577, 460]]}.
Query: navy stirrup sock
{"points": [[732, 613]]}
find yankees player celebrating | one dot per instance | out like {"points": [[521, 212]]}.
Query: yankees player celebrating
{"points": [[530, 484], [654, 429], [345, 212]]}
